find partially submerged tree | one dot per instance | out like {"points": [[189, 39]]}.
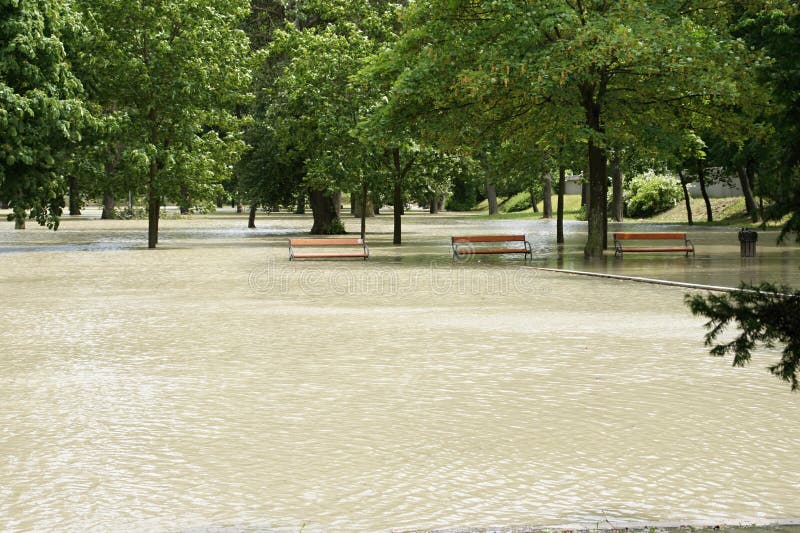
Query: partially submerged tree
{"points": [[177, 71], [592, 70], [41, 111]]}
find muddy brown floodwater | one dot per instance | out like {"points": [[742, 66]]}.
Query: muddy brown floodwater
{"points": [[213, 385]]}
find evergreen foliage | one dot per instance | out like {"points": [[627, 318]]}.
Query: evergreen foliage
{"points": [[764, 314]]}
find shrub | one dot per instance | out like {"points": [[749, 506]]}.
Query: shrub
{"points": [[518, 202], [649, 194]]}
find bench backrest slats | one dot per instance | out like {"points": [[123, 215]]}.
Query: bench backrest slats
{"points": [[489, 238], [649, 236], [326, 242]]}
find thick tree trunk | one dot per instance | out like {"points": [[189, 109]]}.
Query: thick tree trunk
{"points": [[74, 197], [251, 216], [562, 182], [701, 177], [326, 207], [686, 198], [747, 190], [109, 204], [441, 202], [617, 201], [547, 196], [491, 196], [434, 207], [598, 180]]}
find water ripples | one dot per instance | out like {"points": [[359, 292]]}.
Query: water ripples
{"points": [[161, 391]]}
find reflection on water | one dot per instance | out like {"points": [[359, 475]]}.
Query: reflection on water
{"points": [[213, 384]]}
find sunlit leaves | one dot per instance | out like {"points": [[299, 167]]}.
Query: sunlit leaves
{"points": [[40, 110]]}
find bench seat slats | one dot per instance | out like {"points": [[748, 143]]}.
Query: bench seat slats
{"points": [[649, 246], [656, 249], [312, 243], [332, 254], [326, 242], [466, 251], [649, 236], [462, 245], [488, 238]]}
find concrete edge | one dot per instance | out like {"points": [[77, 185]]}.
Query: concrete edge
{"points": [[607, 526]]}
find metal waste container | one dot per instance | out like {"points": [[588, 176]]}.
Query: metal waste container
{"points": [[747, 241]]}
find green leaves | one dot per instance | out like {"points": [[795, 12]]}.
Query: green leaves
{"points": [[40, 111], [174, 75], [764, 314]]}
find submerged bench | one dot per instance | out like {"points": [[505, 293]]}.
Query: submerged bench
{"points": [[465, 245], [335, 248], [621, 240]]}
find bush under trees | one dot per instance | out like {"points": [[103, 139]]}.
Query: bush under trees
{"points": [[648, 194]]}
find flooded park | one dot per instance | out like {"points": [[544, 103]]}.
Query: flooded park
{"points": [[213, 385]]}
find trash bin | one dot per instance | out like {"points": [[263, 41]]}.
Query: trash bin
{"points": [[747, 240]]}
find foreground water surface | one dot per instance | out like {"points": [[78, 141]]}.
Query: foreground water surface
{"points": [[214, 385]]}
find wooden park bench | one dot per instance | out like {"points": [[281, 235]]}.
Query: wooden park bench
{"points": [[465, 245], [342, 247], [621, 240]]}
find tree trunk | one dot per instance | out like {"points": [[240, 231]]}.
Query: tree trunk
{"points": [[185, 200], [604, 202], [398, 218], [326, 207], [686, 198], [400, 172], [534, 200], [357, 203], [109, 204], [153, 207], [440, 201], [701, 177], [365, 209], [251, 217], [239, 206], [547, 196], [562, 182], [19, 218], [747, 190], [301, 204], [491, 196], [434, 207], [617, 200], [598, 181], [585, 190], [3, 204], [74, 196]]}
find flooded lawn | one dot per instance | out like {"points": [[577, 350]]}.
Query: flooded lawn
{"points": [[214, 385]]}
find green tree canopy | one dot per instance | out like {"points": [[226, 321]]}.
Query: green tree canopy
{"points": [[41, 112], [177, 71], [587, 72]]}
